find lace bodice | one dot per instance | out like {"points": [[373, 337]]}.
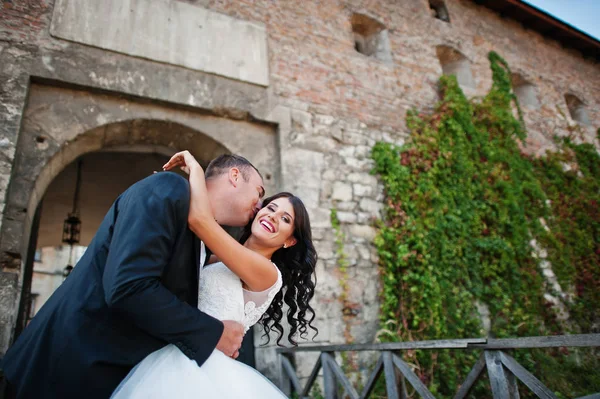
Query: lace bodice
{"points": [[221, 295]]}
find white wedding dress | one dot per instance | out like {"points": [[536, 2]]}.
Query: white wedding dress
{"points": [[168, 373]]}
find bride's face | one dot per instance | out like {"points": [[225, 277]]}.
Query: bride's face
{"points": [[274, 224]]}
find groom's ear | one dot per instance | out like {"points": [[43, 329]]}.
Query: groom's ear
{"points": [[234, 176]]}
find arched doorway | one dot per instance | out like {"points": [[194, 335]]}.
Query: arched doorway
{"points": [[103, 176], [62, 124], [105, 173]]}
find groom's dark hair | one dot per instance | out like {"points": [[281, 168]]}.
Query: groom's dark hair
{"points": [[223, 163]]}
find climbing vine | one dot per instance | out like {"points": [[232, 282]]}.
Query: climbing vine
{"points": [[349, 360], [463, 206]]}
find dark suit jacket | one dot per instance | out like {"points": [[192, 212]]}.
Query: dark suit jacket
{"points": [[134, 290]]}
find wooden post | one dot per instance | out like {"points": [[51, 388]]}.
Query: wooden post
{"points": [[372, 379], [330, 387], [471, 378], [513, 388], [341, 378], [412, 378], [292, 377], [403, 392], [499, 377], [527, 378], [311, 379], [284, 381], [390, 376]]}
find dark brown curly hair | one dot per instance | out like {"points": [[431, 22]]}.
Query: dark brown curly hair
{"points": [[297, 266]]}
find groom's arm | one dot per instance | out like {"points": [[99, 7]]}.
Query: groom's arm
{"points": [[146, 227]]}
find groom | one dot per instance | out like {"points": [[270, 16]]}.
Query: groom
{"points": [[134, 290]]}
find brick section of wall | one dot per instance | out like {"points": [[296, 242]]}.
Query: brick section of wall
{"points": [[22, 20], [315, 67]]}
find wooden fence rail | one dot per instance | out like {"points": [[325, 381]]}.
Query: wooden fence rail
{"points": [[502, 369]]}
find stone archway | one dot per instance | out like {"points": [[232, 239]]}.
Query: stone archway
{"points": [[61, 124], [104, 175]]}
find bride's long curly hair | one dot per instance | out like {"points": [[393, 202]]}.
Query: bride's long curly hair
{"points": [[297, 267]]}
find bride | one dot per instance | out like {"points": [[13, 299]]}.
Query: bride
{"points": [[249, 283]]}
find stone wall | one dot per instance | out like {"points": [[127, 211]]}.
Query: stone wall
{"points": [[329, 102]]}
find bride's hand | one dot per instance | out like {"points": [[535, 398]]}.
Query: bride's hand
{"points": [[184, 160], [200, 208]]}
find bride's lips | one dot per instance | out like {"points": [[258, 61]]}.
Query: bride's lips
{"points": [[268, 226]]}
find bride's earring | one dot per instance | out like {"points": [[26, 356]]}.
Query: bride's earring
{"points": [[284, 245]]}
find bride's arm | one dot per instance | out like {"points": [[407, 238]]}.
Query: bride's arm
{"points": [[252, 268]]}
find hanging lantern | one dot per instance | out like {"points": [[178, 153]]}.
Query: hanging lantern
{"points": [[66, 271], [71, 229], [72, 225]]}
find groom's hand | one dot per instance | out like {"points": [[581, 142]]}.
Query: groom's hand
{"points": [[231, 339]]}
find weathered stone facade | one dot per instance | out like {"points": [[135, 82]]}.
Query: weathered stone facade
{"points": [[325, 106]]}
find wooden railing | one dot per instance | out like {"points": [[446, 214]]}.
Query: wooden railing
{"points": [[502, 369]]}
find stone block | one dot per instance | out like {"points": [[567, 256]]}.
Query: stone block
{"points": [[302, 174], [325, 249], [346, 217], [314, 143], [7, 149], [361, 190], [319, 233], [320, 218], [341, 191], [347, 151], [364, 165], [173, 32], [362, 178], [328, 291], [350, 137], [302, 121], [325, 120], [337, 133], [331, 174], [364, 232], [364, 251], [370, 293], [364, 218], [346, 206], [326, 190], [20, 192], [370, 206], [12, 236], [9, 289], [362, 151]]}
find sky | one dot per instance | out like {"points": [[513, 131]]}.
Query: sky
{"points": [[582, 14]]}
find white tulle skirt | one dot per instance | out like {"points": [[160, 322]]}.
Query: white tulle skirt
{"points": [[168, 373]]}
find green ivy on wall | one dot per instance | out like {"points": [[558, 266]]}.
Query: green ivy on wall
{"points": [[349, 359], [463, 205]]}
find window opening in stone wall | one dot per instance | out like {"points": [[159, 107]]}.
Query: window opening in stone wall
{"points": [[371, 37], [439, 10], [454, 63], [525, 91], [37, 257], [577, 109]]}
